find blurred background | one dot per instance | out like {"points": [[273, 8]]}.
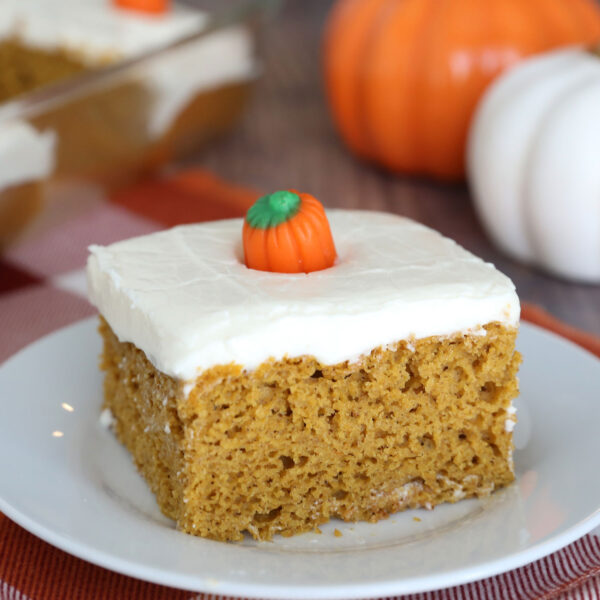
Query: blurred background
{"points": [[323, 104]]}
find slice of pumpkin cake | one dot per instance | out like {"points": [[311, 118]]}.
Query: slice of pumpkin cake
{"points": [[372, 375]]}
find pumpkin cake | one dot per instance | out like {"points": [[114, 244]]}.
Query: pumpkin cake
{"points": [[111, 128], [269, 402], [25, 153]]}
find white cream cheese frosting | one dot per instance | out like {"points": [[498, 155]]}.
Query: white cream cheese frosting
{"points": [[25, 153], [220, 58], [185, 297]]}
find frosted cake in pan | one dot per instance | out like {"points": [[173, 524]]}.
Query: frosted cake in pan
{"points": [[118, 124]]}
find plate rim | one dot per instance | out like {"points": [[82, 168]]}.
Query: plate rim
{"points": [[333, 591]]}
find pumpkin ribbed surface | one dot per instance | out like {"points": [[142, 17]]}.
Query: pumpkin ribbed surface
{"points": [[404, 76], [300, 240]]}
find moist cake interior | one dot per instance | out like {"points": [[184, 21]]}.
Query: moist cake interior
{"points": [[23, 69], [284, 447]]}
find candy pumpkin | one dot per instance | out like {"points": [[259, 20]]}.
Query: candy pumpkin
{"points": [[148, 6], [287, 232], [403, 76]]}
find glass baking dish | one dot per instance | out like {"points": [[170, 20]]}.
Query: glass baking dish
{"points": [[111, 124]]}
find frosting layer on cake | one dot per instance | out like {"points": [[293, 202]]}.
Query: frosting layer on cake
{"points": [[25, 153], [185, 297]]}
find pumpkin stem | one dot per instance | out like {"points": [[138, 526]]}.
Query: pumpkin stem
{"points": [[273, 209]]}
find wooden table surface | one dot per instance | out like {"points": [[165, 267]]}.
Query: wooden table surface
{"points": [[287, 140]]}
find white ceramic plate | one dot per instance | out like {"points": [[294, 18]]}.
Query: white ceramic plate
{"points": [[67, 480]]}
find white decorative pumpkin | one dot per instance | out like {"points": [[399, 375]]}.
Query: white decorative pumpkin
{"points": [[533, 162]]}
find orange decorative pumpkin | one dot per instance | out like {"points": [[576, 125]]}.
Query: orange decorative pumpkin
{"points": [[403, 76], [287, 232]]}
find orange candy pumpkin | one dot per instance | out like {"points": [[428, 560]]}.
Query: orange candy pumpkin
{"points": [[403, 76], [155, 7], [287, 232]]}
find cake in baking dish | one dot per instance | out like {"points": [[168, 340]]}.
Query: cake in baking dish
{"points": [[112, 126], [268, 403]]}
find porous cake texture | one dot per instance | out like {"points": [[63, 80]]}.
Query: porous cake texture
{"points": [[293, 443], [282, 442]]}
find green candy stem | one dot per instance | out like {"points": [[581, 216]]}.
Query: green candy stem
{"points": [[273, 209]]}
